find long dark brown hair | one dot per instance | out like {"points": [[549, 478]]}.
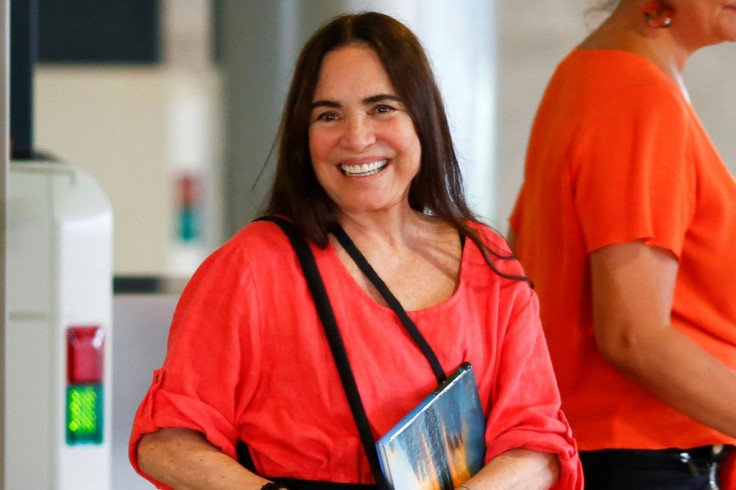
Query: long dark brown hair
{"points": [[438, 187]]}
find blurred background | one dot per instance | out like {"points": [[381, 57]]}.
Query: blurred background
{"points": [[173, 105]]}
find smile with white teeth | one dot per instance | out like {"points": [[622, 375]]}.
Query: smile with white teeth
{"points": [[364, 169]]}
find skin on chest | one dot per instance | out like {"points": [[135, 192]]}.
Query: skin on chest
{"points": [[418, 277]]}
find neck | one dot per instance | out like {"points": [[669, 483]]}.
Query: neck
{"points": [[395, 227], [626, 29]]}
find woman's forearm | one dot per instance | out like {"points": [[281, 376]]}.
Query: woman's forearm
{"points": [[184, 460], [518, 468], [681, 373], [633, 285]]}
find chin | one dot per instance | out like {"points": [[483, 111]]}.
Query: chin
{"points": [[728, 27]]}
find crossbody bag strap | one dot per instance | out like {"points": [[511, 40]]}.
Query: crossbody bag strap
{"points": [[324, 310], [394, 303]]}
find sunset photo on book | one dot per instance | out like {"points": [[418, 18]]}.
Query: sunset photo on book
{"points": [[441, 443]]}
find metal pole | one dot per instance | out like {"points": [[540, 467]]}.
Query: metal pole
{"points": [[4, 156], [23, 55]]}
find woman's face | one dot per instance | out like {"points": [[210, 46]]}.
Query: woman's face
{"points": [[705, 22], [364, 148]]}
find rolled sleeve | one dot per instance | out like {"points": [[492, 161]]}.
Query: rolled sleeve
{"points": [[525, 409], [211, 368]]}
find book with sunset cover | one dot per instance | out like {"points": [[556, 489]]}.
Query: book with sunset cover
{"points": [[441, 443]]}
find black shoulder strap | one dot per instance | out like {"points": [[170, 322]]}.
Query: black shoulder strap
{"points": [[324, 309], [394, 303]]}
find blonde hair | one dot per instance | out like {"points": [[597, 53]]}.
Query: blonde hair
{"points": [[605, 5], [598, 11]]}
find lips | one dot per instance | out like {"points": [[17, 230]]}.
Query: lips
{"points": [[363, 169]]}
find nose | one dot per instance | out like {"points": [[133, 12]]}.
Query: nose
{"points": [[358, 133]]}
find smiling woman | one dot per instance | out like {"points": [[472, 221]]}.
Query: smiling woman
{"points": [[365, 155], [364, 149]]}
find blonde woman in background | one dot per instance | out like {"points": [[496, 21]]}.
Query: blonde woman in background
{"points": [[626, 222]]}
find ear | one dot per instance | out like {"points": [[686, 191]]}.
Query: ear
{"points": [[657, 14]]}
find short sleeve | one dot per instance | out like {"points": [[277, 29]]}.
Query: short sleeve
{"points": [[631, 175], [210, 369], [525, 411]]}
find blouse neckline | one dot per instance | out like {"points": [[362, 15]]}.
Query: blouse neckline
{"points": [[356, 291]]}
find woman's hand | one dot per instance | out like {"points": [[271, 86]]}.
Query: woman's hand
{"points": [[184, 460], [517, 468], [633, 288]]}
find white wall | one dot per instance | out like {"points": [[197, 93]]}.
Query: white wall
{"points": [[142, 325], [111, 122], [533, 37], [711, 77]]}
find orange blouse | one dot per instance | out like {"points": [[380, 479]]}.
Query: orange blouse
{"points": [[248, 360], [617, 154]]}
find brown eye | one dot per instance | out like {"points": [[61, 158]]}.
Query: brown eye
{"points": [[383, 109], [326, 116]]}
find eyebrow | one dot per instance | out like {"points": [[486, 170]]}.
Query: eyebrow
{"points": [[367, 101]]}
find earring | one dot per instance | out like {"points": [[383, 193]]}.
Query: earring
{"points": [[657, 15]]}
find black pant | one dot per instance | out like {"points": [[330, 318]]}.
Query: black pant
{"points": [[668, 469]]}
